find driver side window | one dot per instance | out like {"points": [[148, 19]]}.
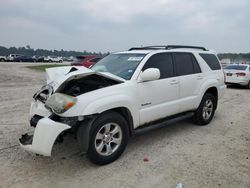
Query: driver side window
{"points": [[162, 61]]}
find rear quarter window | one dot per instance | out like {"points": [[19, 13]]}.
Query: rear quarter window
{"points": [[211, 60]]}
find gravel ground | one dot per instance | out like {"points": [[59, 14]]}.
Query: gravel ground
{"points": [[217, 155]]}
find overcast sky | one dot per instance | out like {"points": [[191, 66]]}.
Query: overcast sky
{"points": [[113, 25]]}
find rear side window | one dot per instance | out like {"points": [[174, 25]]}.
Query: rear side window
{"points": [[186, 64], [163, 62], [211, 60]]}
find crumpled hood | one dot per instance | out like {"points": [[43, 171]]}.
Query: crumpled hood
{"points": [[58, 75]]}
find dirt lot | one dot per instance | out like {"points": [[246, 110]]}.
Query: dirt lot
{"points": [[217, 155]]}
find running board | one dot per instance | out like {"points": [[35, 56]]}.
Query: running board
{"points": [[162, 123]]}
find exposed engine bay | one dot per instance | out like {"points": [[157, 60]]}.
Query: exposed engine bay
{"points": [[78, 86]]}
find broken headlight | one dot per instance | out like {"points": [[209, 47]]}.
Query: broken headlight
{"points": [[60, 103], [44, 93]]}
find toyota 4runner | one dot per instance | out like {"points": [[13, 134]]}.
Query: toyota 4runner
{"points": [[124, 94]]}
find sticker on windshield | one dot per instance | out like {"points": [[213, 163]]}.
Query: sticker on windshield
{"points": [[135, 58]]}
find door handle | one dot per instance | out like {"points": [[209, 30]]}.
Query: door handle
{"points": [[172, 82], [199, 77]]}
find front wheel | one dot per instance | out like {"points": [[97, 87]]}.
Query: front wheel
{"points": [[108, 138], [205, 112]]}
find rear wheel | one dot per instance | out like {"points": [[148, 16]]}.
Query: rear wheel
{"points": [[205, 112], [248, 85], [108, 138]]}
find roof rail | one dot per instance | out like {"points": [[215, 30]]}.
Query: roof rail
{"points": [[168, 47]]}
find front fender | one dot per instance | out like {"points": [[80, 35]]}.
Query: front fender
{"points": [[114, 101]]}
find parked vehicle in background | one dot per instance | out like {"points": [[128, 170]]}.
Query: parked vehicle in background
{"points": [[2, 58], [69, 59], [23, 58], [12, 56], [37, 58], [124, 94], [86, 60], [238, 74], [53, 59]]}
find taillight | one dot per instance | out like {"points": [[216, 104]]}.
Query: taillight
{"points": [[241, 74]]}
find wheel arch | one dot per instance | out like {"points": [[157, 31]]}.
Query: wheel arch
{"points": [[214, 91], [83, 131], [124, 112]]}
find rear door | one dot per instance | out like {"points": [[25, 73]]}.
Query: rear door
{"points": [[158, 98], [190, 78]]}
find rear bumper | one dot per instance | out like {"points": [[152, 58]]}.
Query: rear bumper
{"points": [[44, 137], [239, 81]]}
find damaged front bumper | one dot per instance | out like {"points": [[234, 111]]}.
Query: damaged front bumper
{"points": [[45, 135]]}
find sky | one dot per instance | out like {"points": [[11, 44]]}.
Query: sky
{"points": [[115, 25]]}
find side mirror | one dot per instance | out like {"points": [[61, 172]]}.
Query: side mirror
{"points": [[150, 74]]}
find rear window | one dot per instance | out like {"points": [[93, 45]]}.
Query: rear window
{"points": [[211, 60], [236, 67]]}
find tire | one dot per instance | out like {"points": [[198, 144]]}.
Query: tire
{"points": [[205, 112], [248, 85], [105, 147], [50, 61]]}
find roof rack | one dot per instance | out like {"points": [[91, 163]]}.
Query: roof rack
{"points": [[168, 47]]}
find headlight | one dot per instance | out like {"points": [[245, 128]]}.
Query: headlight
{"points": [[60, 103], [43, 93]]}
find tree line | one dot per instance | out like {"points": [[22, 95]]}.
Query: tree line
{"points": [[27, 50], [235, 57]]}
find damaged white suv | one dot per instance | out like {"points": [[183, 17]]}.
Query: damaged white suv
{"points": [[124, 94]]}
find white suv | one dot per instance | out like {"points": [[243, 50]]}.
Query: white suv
{"points": [[11, 57], [124, 94], [53, 59]]}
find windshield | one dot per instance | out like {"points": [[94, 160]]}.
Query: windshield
{"points": [[236, 67], [122, 65]]}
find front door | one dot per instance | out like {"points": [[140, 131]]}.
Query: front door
{"points": [[159, 98]]}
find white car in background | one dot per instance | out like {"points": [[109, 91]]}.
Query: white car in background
{"points": [[2, 58], [11, 57], [238, 74], [53, 59]]}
